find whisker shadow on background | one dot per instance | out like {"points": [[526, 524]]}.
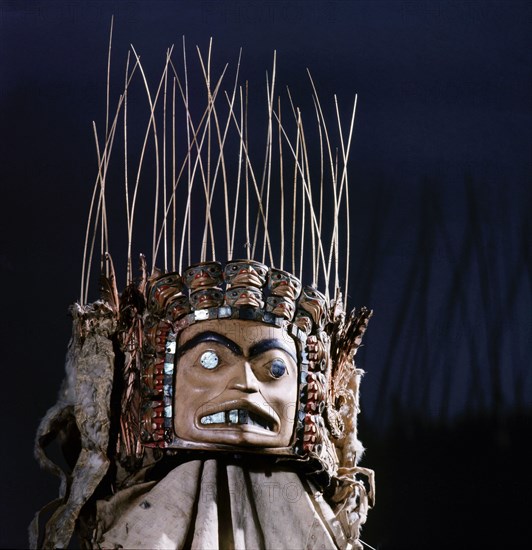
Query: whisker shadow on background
{"points": [[453, 378]]}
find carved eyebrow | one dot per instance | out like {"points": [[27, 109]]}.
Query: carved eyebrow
{"points": [[266, 345], [209, 336]]}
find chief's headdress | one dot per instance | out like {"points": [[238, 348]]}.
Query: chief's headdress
{"points": [[231, 238]]}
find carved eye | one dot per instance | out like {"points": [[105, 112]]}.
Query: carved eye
{"points": [[277, 368], [209, 360], [278, 276], [234, 268]]}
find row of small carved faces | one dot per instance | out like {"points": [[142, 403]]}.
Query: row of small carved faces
{"points": [[245, 282]]}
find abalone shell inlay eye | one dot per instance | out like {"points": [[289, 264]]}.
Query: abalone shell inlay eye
{"points": [[209, 360], [277, 368]]}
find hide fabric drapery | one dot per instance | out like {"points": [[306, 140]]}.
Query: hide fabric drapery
{"points": [[220, 503]]}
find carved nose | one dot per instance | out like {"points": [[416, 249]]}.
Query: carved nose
{"points": [[245, 380]]}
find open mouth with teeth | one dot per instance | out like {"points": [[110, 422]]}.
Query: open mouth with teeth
{"points": [[241, 417]]}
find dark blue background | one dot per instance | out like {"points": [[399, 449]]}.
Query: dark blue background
{"points": [[441, 176]]}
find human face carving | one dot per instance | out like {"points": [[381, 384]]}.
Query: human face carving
{"points": [[314, 303], [245, 296], [283, 307], [236, 384], [282, 283], [206, 298], [163, 290], [203, 275], [245, 273], [179, 307]]}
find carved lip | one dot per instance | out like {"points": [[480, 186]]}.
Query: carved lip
{"points": [[239, 413], [314, 308], [248, 277], [203, 276], [284, 289], [247, 299]]}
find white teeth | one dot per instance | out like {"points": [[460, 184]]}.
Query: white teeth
{"points": [[216, 418], [237, 416]]}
